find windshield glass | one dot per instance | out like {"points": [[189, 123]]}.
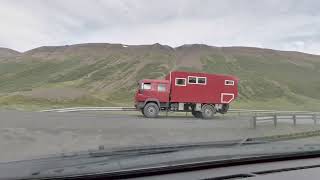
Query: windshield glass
{"points": [[207, 71]]}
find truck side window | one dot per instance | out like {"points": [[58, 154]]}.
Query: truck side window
{"points": [[192, 80], [180, 81], [161, 87], [146, 86], [202, 80]]}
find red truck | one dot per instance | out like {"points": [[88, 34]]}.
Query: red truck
{"points": [[200, 93]]}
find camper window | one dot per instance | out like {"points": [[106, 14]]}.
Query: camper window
{"points": [[229, 82], [202, 80], [192, 80], [180, 81]]}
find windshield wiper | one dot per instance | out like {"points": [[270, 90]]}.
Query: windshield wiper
{"points": [[159, 149]]}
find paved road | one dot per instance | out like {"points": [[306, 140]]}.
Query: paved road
{"points": [[27, 134]]}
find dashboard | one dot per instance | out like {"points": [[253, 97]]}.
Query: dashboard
{"points": [[290, 169]]}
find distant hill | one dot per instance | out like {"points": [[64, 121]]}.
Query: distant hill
{"points": [[102, 74], [6, 53]]}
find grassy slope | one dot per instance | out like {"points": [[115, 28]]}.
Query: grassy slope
{"points": [[268, 80]]}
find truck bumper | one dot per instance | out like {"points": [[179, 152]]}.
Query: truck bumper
{"points": [[139, 105]]}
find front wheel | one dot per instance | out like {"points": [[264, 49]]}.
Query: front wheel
{"points": [[151, 110]]}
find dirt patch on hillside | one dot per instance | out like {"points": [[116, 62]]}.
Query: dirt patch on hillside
{"points": [[190, 55]]}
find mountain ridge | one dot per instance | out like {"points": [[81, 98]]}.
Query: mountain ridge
{"points": [[94, 45]]}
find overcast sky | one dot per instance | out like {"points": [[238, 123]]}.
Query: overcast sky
{"points": [[278, 24]]}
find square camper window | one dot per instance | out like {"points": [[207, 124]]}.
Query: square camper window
{"points": [[180, 81], [192, 80], [161, 87], [229, 82], [202, 80], [146, 86]]}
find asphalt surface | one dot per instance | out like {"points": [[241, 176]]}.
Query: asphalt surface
{"points": [[25, 135]]}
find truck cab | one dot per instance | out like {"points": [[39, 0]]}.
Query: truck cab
{"points": [[151, 91]]}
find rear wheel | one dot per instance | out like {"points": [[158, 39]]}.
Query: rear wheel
{"points": [[207, 111], [224, 108], [151, 110], [197, 114]]}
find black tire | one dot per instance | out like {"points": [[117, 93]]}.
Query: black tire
{"points": [[207, 111], [197, 114], [224, 109], [151, 110]]}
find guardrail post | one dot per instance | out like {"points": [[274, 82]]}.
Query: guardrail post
{"points": [[314, 117], [275, 120], [167, 109], [294, 117], [254, 122]]}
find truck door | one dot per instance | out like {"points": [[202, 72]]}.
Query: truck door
{"points": [[163, 91]]}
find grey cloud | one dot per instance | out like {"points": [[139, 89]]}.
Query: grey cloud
{"points": [[284, 24]]}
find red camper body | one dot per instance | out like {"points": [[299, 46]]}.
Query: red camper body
{"points": [[200, 93], [202, 87]]}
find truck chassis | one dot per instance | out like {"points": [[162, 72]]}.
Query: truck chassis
{"points": [[151, 109]]}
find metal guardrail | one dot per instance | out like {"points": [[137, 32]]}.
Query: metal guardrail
{"points": [[276, 117], [254, 111], [239, 111], [78, 109]]}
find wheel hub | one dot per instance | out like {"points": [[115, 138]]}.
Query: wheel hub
{"points": [[151, 110], [207, 111]]}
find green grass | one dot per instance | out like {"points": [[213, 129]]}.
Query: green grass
{"points": [[28, 103], [30, 76]]}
